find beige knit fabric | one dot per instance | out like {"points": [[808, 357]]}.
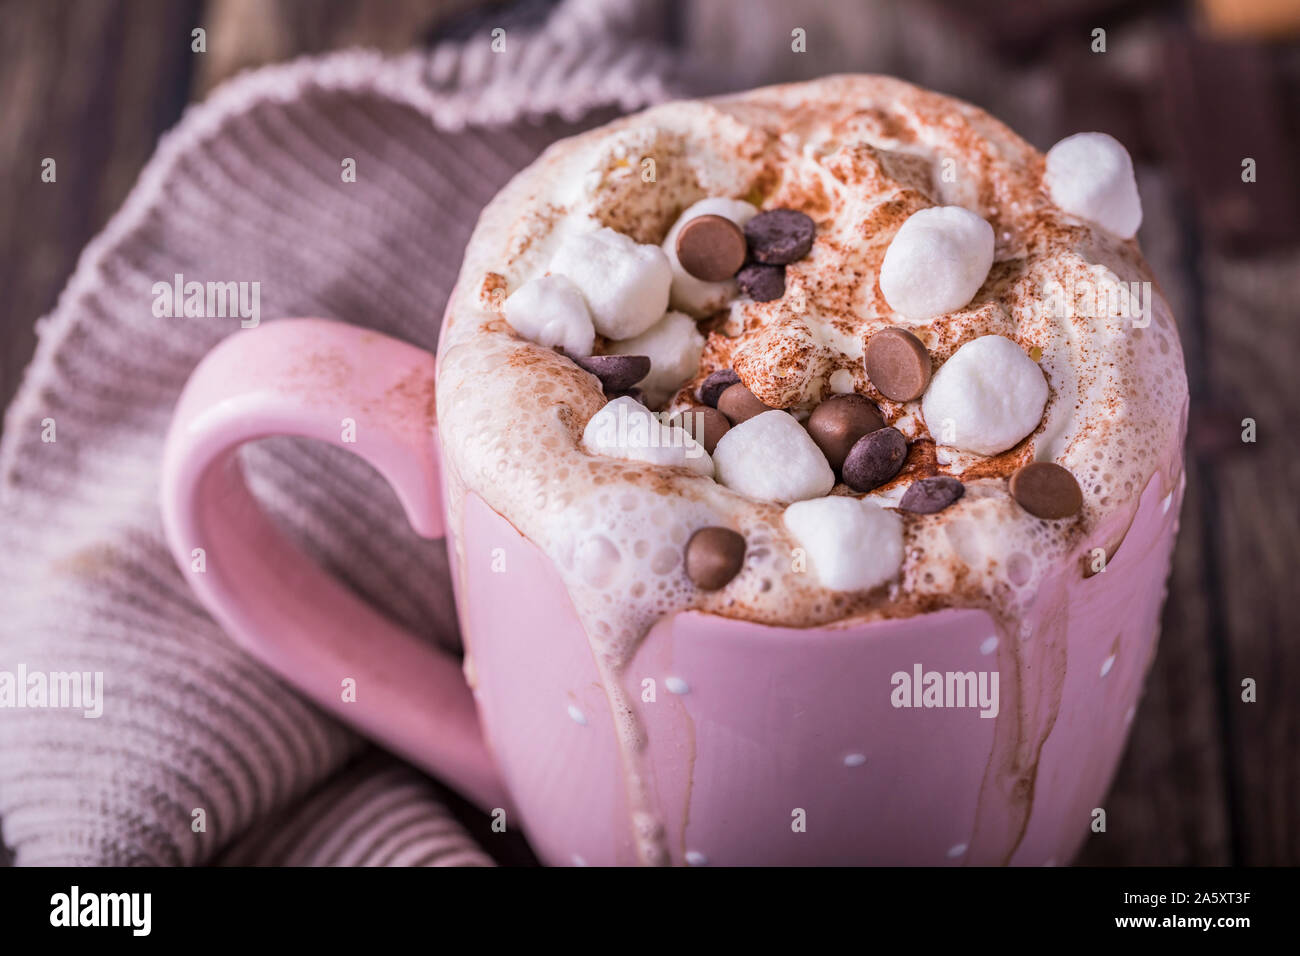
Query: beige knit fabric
{"points": [[376, 813], [248, 188]]}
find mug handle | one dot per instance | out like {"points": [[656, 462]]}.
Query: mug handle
{"points": [[305, 377]]}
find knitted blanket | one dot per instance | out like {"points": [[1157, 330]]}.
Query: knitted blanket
{"points": [[198, 754]]}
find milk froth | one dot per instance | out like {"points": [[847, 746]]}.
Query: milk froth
{"points": [[859, 155]]}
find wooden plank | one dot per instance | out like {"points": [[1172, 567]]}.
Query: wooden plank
{"points": [[89, 85], [1252, 342], [733, 46], [93, 84], [247, 33], [1204, 86], [1244, 324]]}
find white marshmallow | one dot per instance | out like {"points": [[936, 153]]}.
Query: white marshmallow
{"points": [[673, 345], [985, 398], [772, 457], [936, 262], [626, 429], [624, 282], [696, 296], [852, 544], [550, 310], [841, 381], [1090, 175]]}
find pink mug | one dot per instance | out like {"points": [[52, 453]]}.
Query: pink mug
{"points": [[763, 745]]}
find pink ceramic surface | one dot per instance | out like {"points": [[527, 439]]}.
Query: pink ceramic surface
{"points": [[752, 730]]}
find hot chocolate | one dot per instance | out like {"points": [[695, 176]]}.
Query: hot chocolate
{"points": [[769, 253]]}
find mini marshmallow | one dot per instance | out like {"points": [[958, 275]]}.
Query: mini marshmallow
{"points": [[624, 282], [841, 381], [1090, 175], [985, 398], [852, 544], [692, 295], [626, 429], [771, 457], [550, 310], [673, 345], [936, 262]]}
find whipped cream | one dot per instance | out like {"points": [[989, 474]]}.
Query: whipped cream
{"points": [[860, 155]]}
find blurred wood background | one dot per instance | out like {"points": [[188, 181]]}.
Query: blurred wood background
{"points": [[1207, 778]]}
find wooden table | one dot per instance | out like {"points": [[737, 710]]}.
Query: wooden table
{"points": [[1207, 778]]}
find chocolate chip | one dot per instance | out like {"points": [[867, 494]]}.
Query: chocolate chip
{"points": [[711, 248], [874, 459], [1046, 490], [898, 364], [715, 384], [635, 394], [617, 373], [931, 495], [706, 425], [837, 423], [779, 236], [714, 556], [739, 404], [762, 283]]}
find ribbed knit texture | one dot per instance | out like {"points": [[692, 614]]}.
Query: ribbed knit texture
{"points": [[376, 813], [248, 188]]}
